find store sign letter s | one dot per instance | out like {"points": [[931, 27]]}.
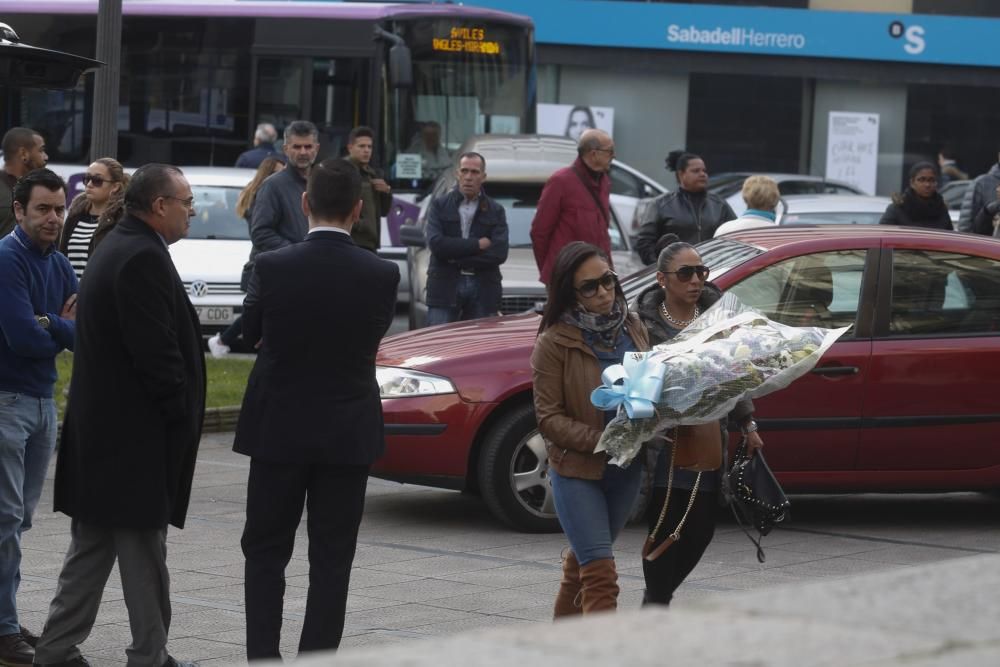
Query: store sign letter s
{"points": [[915, 42]]}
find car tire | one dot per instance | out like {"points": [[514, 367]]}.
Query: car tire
{"points": [[513, 455]]}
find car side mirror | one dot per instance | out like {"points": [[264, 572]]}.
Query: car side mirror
{"points": [[412, 236]]}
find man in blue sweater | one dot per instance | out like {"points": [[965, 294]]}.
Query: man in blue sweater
{"points": [[37, 311]]}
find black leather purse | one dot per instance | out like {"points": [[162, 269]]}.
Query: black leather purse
{"points": [[757, 498]]}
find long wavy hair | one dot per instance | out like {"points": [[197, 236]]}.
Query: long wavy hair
{"points": [[115, 208], [245, 201], [561, 291]]}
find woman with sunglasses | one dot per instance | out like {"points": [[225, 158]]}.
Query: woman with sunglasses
{"points": [[691, 212], [681, 293], [94, 212], [585, 328]]}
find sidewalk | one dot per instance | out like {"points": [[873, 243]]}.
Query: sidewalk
{"points": [[434, 563]]}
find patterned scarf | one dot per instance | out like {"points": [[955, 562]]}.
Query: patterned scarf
{"points": [[605, 328]]}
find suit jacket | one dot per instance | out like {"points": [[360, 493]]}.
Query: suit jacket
{"points": [[320, 309], [133, 422]]}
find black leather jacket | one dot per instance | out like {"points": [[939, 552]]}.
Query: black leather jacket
{"points": [[677, 213]]}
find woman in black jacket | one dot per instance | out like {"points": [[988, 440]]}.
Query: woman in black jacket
{"points": [[681, 293], [690, 212], [920, 205]]}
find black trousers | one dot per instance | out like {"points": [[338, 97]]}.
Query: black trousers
{"points": [[334, 498], [667, 572]]}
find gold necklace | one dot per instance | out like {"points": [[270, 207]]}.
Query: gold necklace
{"points": [[678, 323]]}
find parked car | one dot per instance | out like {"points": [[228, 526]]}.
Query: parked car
{"points": [[832, 209], [905, 401], [517, 168], [953, 193], [729, 186]]}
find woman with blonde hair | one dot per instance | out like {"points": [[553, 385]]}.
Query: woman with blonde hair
{"points": [[220, 344], [761, 196], [94, 212]]}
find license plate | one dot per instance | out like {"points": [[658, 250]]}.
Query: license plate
{"points": [[215, 314]]}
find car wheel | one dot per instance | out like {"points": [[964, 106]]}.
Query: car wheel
{"points": [[514, 473]]}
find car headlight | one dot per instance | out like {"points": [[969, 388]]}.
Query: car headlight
{"points": [[401, 382]]}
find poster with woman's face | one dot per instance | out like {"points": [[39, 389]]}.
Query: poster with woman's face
{"points": [[570, 121]]}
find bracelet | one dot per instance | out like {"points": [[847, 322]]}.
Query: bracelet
{"points": [[751, 427]]}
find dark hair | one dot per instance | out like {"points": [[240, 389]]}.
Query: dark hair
{"points": [[333, 190], [299, 128], [147, 183], [45, 177], [677, 161], [919, 167], [590, 118], [561, 291], [17, 138], [668, 246], [472, 154], [947, 151], [360, 131]]}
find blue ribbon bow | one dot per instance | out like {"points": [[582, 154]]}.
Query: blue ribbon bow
{"points": [[636, 383]]}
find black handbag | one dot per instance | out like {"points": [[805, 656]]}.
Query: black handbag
{"points": [[756, 497]]}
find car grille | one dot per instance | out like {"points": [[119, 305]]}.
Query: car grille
{"points": [[203, 288], [509, 305]]}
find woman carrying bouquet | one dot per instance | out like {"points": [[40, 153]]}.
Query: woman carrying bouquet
{"points": [[681, 293], [585, 328]]}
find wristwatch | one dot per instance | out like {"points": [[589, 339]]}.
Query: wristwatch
{"points": [[750, 427], [43, 321]]}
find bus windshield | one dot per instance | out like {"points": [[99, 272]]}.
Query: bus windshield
{"points": [[469, 77]]}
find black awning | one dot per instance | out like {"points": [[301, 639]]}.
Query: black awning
{"points": [[26, 66]]}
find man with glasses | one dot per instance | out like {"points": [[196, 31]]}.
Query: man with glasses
{"points": [[576, 203], [131, 431], [468, 239]]}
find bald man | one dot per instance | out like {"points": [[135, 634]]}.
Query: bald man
{"points": [[575, 204]]}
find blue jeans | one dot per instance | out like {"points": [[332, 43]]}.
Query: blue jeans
{"points": [[27, 438], [593, 511], [468, 305]]}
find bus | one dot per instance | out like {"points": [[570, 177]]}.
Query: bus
{"points": [[197, 76]]}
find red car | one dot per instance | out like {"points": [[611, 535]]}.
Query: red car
{"points": [[907, 400]]}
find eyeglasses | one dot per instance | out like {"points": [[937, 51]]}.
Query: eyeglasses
{"points": [[686, 273], [98, 181], [609, 151], [588, 288], [186, 203]]}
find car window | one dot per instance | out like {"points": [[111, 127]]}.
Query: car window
{"points": [[838, 189], [940, 293], [801, 187], [624, 183], [842, 218], [215, 214], [822, 289]]}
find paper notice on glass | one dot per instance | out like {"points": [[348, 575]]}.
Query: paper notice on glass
{"points": [[408, 165], [852, 149]]}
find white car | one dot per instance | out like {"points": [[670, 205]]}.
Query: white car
{"points": [[729, 186], [517, 168], [831, 209]]}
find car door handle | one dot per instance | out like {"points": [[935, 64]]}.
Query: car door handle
{"points": [[836, 370]]}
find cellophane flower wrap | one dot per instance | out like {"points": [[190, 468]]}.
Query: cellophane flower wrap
{"points": [[730, 352]]}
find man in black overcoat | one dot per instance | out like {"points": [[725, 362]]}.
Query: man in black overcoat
{"points": [[133, 422], [312, 415]]}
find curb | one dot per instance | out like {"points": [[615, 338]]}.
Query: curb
{"points": [[220, 420]]}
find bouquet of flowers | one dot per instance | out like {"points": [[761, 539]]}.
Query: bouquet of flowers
{"points": [[730, 352]]}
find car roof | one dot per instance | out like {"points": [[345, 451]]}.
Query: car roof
{"points": [[771, 238], [835, 203], [218, 176], [522, 158]]}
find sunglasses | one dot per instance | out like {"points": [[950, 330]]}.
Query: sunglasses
{"points": [[588, 288], [98, 181], [686, 273]]}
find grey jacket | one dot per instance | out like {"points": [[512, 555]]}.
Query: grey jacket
{"points": [[982, 191], [277, 219]]}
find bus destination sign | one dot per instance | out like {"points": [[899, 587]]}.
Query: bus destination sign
{"points": [[467, 40]]}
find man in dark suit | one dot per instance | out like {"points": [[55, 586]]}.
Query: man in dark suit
{"points": [[132, 426], [312, 415]]}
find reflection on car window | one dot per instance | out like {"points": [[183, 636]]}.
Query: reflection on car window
{"points": [[823, 289], [624, 183], [215, 214], [939, 293], [869, 218]]}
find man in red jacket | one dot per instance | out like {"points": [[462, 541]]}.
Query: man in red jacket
{"points": [[575, 203]]}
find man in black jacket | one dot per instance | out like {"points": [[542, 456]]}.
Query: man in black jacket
{"points": [[981, 192], [131, 433], [375, 192], [312, 414], [468, 239]]}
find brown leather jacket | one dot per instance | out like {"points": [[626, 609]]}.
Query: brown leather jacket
{"points": [[565, 372]]}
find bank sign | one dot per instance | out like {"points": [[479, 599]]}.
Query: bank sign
{"points": [[913, 38]]}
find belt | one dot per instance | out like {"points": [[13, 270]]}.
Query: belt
{"points": [[468, 272]]}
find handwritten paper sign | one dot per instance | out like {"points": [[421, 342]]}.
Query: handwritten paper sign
{"points": [[852, 149]]}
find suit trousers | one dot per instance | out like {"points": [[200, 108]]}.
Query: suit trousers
{"points": [[334, 497], [142, 561]]}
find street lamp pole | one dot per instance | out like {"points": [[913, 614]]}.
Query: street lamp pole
{"points": [[104, 126]]}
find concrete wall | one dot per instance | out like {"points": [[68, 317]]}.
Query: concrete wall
{"points": [[650, 110], [889, 101]]}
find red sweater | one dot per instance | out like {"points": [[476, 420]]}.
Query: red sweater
{"points": [[567, 212]]}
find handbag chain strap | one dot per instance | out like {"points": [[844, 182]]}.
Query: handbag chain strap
{"points": [[676, 535]]}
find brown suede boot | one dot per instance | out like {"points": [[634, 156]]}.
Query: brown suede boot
{"points": [[568, 597], [600, 586]]}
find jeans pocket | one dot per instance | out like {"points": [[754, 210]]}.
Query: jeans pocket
{"points": [[8, 398]]}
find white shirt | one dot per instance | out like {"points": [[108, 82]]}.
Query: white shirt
{"points": [[746, 221], [328, 228]]}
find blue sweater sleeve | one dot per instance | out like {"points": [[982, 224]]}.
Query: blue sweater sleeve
{"points": [[25, 337], [63, 330]]}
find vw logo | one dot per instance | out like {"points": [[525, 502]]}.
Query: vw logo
{"points": [[199, 288]]}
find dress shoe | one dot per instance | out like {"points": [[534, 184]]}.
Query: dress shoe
{"points": [[29, 637], [15, 652]]}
